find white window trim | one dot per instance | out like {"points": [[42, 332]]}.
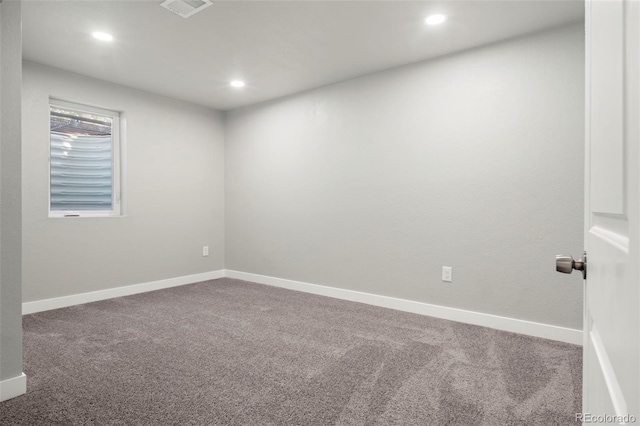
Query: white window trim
{"points": [[116, 159]]}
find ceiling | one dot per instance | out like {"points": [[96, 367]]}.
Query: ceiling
{"points": [[277, 47]]}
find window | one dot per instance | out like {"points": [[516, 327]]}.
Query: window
{"points": [[84, 161]]}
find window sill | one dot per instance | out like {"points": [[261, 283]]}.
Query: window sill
{"points": [[84, 216]]}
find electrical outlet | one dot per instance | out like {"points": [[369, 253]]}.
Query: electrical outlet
{"points": [[205, 250], [447, 273]]}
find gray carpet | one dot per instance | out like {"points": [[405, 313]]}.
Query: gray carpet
{"points": [[229, 352]]}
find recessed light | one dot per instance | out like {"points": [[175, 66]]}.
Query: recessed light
{"points": [[436, 19], [237, 83], [102, 36]]}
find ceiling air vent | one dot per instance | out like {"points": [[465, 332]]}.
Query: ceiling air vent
{"points": [[186, 8]]}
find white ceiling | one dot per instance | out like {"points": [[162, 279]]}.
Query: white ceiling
{"points": [[277, 47]]}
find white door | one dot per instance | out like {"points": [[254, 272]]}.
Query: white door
{"points": [[612, 212]]}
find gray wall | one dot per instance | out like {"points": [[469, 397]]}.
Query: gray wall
{"points": [[10, 193], [174, 192], [473, 161]]}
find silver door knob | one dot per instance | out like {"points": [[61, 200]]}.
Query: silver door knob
{"points": [[566, 264]]}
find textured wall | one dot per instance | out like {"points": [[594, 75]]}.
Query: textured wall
{"points": [[473, 160], [10, 193], [173, 197]]}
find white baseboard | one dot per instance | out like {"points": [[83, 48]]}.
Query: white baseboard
{"points": [[94, 296], [10, 388], [529, 328]]}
